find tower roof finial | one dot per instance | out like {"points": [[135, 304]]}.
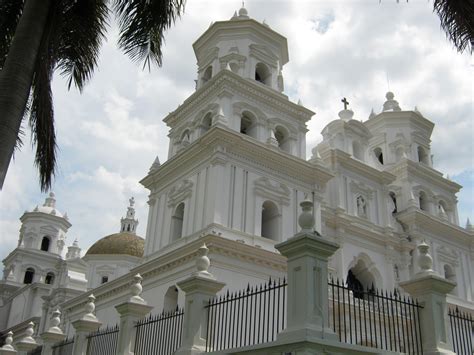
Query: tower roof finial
{"points": [[129, 223]]}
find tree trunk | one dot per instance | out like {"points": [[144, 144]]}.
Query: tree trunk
{"points": [[17, 75]]}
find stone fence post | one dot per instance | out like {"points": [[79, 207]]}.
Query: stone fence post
{"points": [[83, 326], [307, 303], [199, 288], [130, 312], [27, 343], [8, 348], [430, 290], [53, 335]]}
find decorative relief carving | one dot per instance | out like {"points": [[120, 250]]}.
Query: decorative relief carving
{"points": [[448, 255], [180, 192], [272, 190]]}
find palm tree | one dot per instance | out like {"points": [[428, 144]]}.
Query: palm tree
{"points": [[38, 37], [457, 20]]}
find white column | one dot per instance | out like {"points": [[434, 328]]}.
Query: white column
{"points": [[88, 323], [198, 289], [130, 312], [430, 290], [307, 303]]}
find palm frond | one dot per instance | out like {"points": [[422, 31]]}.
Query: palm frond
{"points": [[142, 25], [10, 13], [82, 32], [41, 109], [457, 20]]}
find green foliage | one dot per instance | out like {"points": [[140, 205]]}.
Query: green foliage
{"points": [[71, 41]]}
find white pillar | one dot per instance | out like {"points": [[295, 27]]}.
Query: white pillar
{"points": [[199, 288], [27, 343], [430, 290], [88, 323], [307, 254], [53, 335], [130, 312], [8, 348]]}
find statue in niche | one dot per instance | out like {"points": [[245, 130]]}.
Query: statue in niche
{"points": [[361, 207], [396, 271], [442, 211]]}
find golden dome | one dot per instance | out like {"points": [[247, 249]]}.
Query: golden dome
{"points": [[119, 243]]}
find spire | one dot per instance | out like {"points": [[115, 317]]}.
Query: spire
{"points": [[50, 201], [372, 114], [156, 164], [129, 223], [469, 226]]}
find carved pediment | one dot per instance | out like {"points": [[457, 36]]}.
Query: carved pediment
{"points": [[180, 192], [272, 190]]}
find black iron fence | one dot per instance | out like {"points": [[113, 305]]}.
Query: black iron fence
{"points": [[248, 317], [159, 334], [374, 318], [103, 341], [462, 331], [63, 347]]}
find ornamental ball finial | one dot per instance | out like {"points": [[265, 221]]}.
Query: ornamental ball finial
{"points": [[8, 342], [389, 95]]}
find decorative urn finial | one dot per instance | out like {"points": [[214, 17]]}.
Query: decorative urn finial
{"points": [[136, 290], [202, 261], [8, 343], [425, 261], [306, 218]]}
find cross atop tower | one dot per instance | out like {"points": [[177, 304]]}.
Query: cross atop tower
{"points": [[345, 102]]}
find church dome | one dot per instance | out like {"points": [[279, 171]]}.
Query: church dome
{"points": [[124, 243]]}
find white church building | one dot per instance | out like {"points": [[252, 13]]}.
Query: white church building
{"points": [[235, 177]]}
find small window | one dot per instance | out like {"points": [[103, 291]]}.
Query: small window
{"points": [[49, 280], [45, 244], [379, 155], [104, 279], [422, 155], [206, 123], [177, 222], [29, 275], [423, 201], [262, 74], [270, 221], [393, 199], [207, 75]]}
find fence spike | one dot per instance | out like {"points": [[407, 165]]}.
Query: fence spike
{"points": [[284, 279], [248, 287]]}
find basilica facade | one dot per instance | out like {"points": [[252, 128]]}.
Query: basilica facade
{"points": [[234, 178]]}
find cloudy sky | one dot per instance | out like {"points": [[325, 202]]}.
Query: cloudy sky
{"points": [[110, 135]]}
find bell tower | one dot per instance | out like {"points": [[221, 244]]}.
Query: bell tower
{"points": [[237, 156]]}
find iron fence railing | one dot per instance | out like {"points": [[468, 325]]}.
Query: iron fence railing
{"points": [[159, 334], [63, 347], [103, 341], [462, 331], [248, 317], [374, 318]]}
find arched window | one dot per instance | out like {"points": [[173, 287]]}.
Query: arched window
{"points": [[171, 299], [360, 280], [247, 124], [262, 74], [422, 156], [423, 201], [29, 275], [357, 151], [206, 123], [270, 221], [282, 137], [207, 75], [443, 209], [393, 202], [49, 279], [177, 222], [379, 154], [234, 67], [45, 244]]}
